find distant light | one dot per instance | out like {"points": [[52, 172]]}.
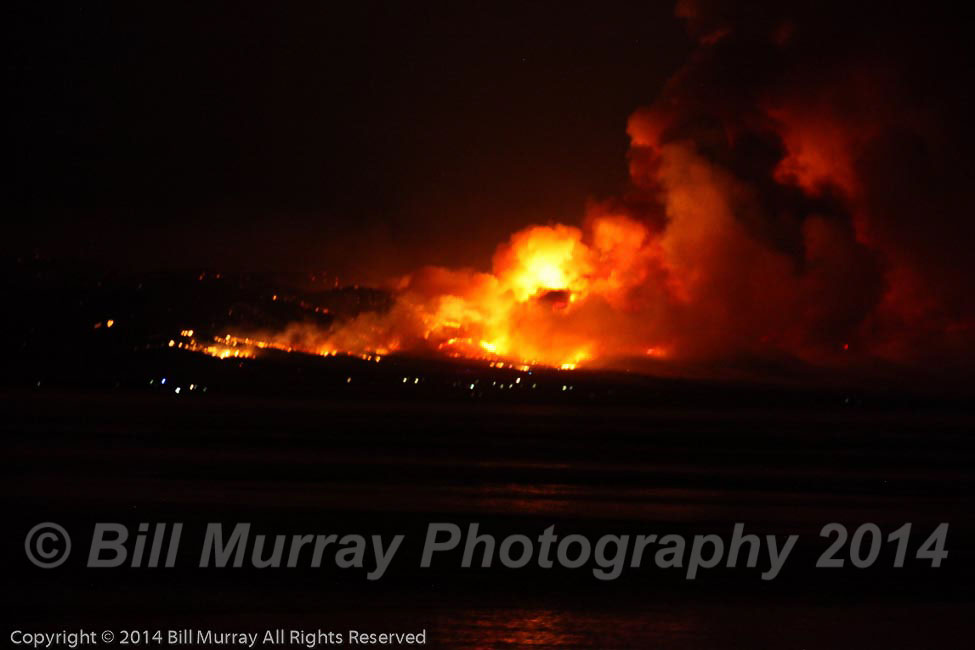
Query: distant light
{"points": [[109, 322], [472, 386], [416, 381], [404, 379], [564, 387], [348, 380], [163, 381], [518, 381], [177, 390], [172, 343]]}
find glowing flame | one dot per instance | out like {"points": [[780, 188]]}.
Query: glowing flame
{"points": [[532, 309], [544, 303], [543, 258]]}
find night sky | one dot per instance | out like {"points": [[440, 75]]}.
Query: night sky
{"points": [[296, 137], [372, 138]]}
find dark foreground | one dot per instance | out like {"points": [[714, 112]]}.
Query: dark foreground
{"points": [[386, 467]]}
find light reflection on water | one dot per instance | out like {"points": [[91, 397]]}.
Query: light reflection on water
{"points": [[548, 628], [732, 624]]}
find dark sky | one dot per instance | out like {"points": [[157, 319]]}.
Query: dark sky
{"points": [[312, 137]]}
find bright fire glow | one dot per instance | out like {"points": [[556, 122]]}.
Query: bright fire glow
{"points": [[543, 304]]}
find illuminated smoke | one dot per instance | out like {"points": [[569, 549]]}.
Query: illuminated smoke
{"points": [[774, 185]]}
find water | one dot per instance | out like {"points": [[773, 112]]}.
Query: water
{"points": [[303, 467]]}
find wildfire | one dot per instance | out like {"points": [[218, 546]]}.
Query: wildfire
{"points": [[755, 226], [544, 303], [557, 296], [228, 347], [540, 305]]}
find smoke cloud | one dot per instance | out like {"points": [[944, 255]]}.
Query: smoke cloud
{"points": [[798, 190]]}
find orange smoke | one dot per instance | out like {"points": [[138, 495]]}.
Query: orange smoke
{"points": [[700, 287], [767, 219], [698, 282]]}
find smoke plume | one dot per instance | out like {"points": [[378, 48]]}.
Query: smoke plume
{"points": [[798, 190]]}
